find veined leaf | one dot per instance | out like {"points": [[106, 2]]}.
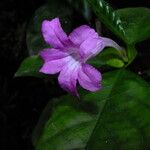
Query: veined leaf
{"points": [[116, 117], [108, 16], [136, 22]]}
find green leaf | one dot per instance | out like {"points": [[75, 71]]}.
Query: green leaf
{"points": [[116, 117], [132, 25], [132, 52], [115, 63], [136, 22], [108, 16], [30, 67], [53, 9]]}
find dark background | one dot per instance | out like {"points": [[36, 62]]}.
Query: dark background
{"points": [[23, 99]]}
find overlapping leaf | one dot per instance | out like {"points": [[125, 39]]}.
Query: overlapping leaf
{"points": [[108, 16], [136, 23], [117, 117]]}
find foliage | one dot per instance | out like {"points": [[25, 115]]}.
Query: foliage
{"points": [[117, 117]]}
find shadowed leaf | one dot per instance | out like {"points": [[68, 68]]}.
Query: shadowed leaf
{"points": [[120, 120]]}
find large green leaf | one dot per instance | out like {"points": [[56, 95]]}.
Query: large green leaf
{"points": [[130, 24], [136, 22], [53, 9], [108, 16], [117, 117]]}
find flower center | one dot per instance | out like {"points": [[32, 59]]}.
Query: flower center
{"points": [[74, 53]]}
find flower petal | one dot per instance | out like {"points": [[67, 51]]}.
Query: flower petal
{"points": [[110, 43], [68, 77], [91, 47], [80, 34], [52, 54], [89, 78], [54, 66], [53, 33]]}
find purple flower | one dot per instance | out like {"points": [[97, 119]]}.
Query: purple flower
{"points": [[70, 53]]}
